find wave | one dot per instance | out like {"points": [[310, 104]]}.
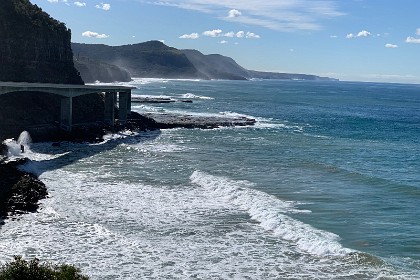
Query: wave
{"points": [[189, 95], [271, 213]]}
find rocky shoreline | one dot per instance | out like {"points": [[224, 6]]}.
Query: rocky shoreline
{"points": [[21, 191]]}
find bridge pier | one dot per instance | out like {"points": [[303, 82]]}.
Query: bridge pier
{"points": [[124, 106], [110, 99], [66, 115]]}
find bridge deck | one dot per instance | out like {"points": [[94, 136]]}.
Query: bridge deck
{"points": [[65, 90]]}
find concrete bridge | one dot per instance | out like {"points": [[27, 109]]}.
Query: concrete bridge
{"points": [[67, 92]]}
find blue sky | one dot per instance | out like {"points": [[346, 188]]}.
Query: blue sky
{"points": [[359, 40]]}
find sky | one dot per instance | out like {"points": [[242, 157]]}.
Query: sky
{"points": [[354, 40]]}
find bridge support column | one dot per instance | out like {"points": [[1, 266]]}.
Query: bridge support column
{"points": [[124, 106], [66, 115], [110, 98]]}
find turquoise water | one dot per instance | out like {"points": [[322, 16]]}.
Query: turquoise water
{"points": [[326, 185]]}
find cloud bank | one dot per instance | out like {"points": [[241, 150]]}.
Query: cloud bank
{"points": [[216, 33]]}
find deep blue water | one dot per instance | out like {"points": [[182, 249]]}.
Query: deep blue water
{"points": [[326, 185]]}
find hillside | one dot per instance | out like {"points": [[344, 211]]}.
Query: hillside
{"points": [[150, 59], [154, 59], [216, 66], [94, 70]]}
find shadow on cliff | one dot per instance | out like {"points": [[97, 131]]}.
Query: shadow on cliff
{"points": [[66, 153]]}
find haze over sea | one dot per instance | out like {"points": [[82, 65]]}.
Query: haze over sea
{"points": [[326, 185]]}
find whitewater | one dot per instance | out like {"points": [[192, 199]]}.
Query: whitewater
{"points": [[324, 186]]}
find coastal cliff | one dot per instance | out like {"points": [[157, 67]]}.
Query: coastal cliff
{"points": [[34, 47]]}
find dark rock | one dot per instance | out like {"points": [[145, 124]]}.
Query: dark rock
{"points": [[3, 150], [19, 191], [162, 121], [34, 47]]}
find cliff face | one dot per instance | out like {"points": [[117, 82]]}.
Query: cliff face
{"points": [[33, 46]]}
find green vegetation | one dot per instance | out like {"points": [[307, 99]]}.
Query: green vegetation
{"points": [[20, 269]]}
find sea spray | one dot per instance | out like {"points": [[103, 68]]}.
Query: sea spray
{"points": [[15, 148], [24, 140]]}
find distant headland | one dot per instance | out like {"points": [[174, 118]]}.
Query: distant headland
{"points": [[154, 59]]}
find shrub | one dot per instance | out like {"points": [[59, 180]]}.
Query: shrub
{"points": [[20, 269]]}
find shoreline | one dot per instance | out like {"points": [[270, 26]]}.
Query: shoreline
{"points": [[20, 191]]}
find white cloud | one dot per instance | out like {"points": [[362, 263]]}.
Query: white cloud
{"points": [[234, 13], [250, 35], [412, 40], [229, 34], [80, 4], [362, 33], [223, 42], [240, 34], [213, 33], [91, 34], [104, 6], [284, 15], [190, 36], [334, 36], [418, 31], [391, 46], [53, 1]]}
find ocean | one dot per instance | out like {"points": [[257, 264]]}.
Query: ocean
{"points": [[326, 185]]}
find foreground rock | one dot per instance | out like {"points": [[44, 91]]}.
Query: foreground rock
{"points": [[19, 191]]}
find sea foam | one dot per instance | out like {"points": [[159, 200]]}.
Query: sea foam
{"points": [[271, 213]]}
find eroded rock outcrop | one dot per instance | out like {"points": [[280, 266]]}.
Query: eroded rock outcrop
{"points": [[19, 191]]}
